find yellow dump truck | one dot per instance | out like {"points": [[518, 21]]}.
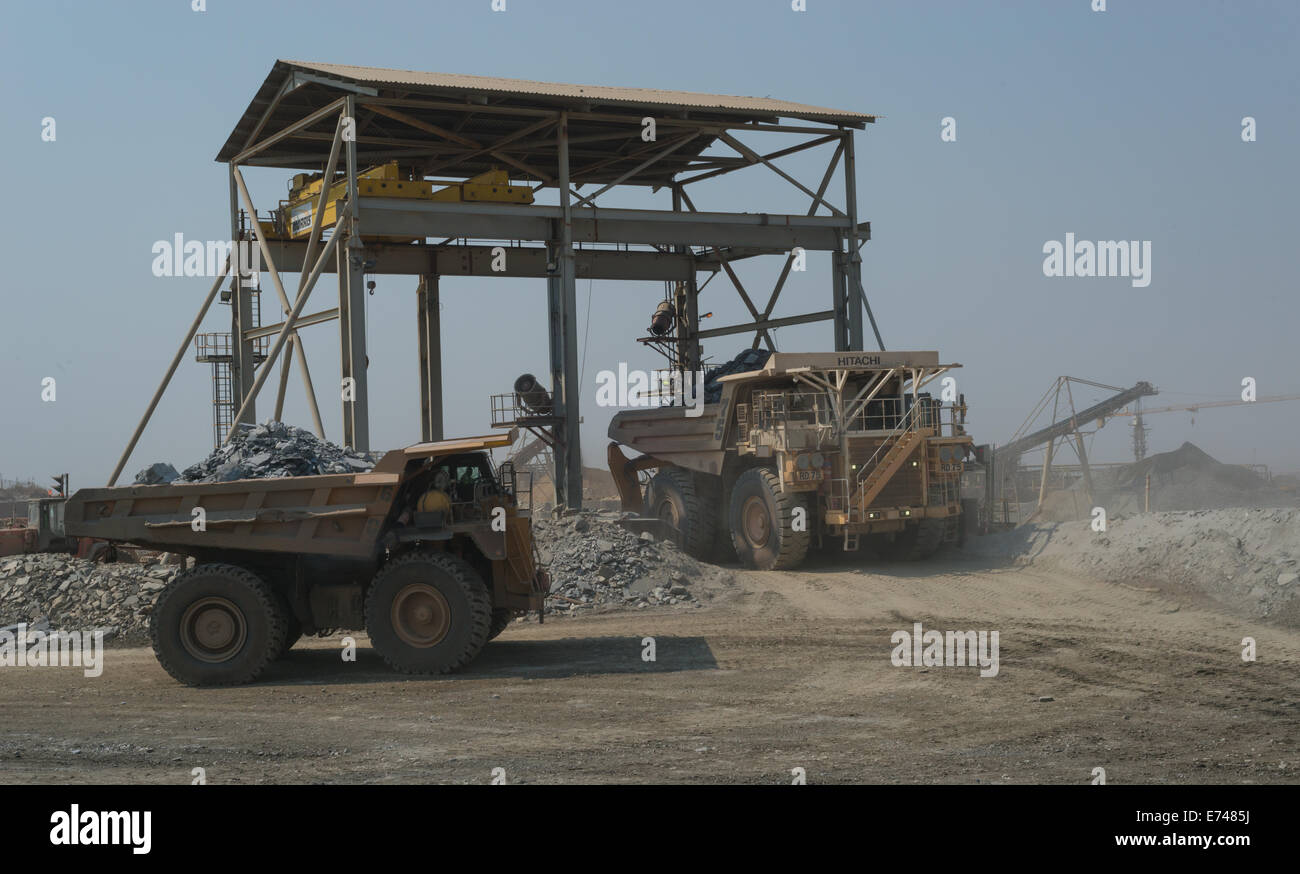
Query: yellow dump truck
{"points": [[431, 552], [809, 448]]}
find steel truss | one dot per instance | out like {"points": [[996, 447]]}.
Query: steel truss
{"points": [[574, 239]]}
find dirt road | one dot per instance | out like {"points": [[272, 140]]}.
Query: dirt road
{"points": [[785, 671]]}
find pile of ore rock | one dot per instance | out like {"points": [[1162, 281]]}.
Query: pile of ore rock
{"points": [[595, 562], [746, 360], [264, 451], [1245, 558], [46, 590]]}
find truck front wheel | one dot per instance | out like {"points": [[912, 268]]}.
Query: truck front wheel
{"points": [[428, 613], [766, 528], [216, 625], [675, 500]]}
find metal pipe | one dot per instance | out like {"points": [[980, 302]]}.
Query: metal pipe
{"points": [[283, 387], [322, 198]]}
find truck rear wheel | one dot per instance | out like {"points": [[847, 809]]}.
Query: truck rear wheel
{"points": [[762, 522], [216, 625], [674, 500], [500, 621], [292, 632], [428, 613]]}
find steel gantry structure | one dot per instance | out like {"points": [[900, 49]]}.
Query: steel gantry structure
{"points": [[337, 120]]}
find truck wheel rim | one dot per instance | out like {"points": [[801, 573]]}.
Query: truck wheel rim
{"points": [[758, 527], [421, 616], [213, 630]]}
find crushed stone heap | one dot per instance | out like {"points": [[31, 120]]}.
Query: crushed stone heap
{"points": [[274, 450], [1246, 559], [73, 594], [595, 562]]}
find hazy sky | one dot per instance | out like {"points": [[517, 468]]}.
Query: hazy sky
{"points": [[1123, 124]]}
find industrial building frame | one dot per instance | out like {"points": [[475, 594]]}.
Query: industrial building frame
{"points": [[562, 137]]}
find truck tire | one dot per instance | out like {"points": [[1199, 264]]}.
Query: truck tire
{"points": [[428, 613], [216, 625], [675, 501], [917, 542], [762, 522], [292, 633], [500, 620]]}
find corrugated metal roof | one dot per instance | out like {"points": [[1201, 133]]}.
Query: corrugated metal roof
{"points": [[593, 93], [489, 110]]}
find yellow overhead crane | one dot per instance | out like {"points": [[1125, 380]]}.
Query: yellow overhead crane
{"points": [[293, 220]]}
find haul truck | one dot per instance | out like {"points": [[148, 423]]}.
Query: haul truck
{"points": [[430, 552], [821, 447]]}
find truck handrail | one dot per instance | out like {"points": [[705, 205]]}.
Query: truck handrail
{"points": [[908, 423]]}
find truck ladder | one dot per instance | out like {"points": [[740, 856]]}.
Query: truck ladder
{"points": [[871, 485]]}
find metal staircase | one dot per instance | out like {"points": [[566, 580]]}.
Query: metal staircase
{"points": [[889, 456]]}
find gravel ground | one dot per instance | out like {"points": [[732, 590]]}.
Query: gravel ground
{"points": [[1246, 560], [791, 670]]}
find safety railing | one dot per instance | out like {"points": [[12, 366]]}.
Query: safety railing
{"points": [[907, 424], [780, 412], [518, 484], [885, 414], [217, 347]]}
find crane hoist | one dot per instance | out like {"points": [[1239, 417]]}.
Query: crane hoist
{"points": [[293, 219]]}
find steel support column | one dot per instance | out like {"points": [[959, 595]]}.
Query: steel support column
{"points": [[857, 293], [555, 346], [689, 352], [839, 303], [854, 264], [430, 332], [243, 361], [352, 313], [568, 294]]}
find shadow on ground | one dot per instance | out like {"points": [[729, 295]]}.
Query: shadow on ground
{"points": [[569, 657]]}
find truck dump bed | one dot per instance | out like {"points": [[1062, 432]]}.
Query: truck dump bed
{"points": [[335, 514]]}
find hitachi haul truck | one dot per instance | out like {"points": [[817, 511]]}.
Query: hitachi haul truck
{"points": [[831, 448]]}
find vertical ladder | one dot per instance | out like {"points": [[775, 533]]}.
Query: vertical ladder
{"points": [[223, 401], [216, 349]]}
